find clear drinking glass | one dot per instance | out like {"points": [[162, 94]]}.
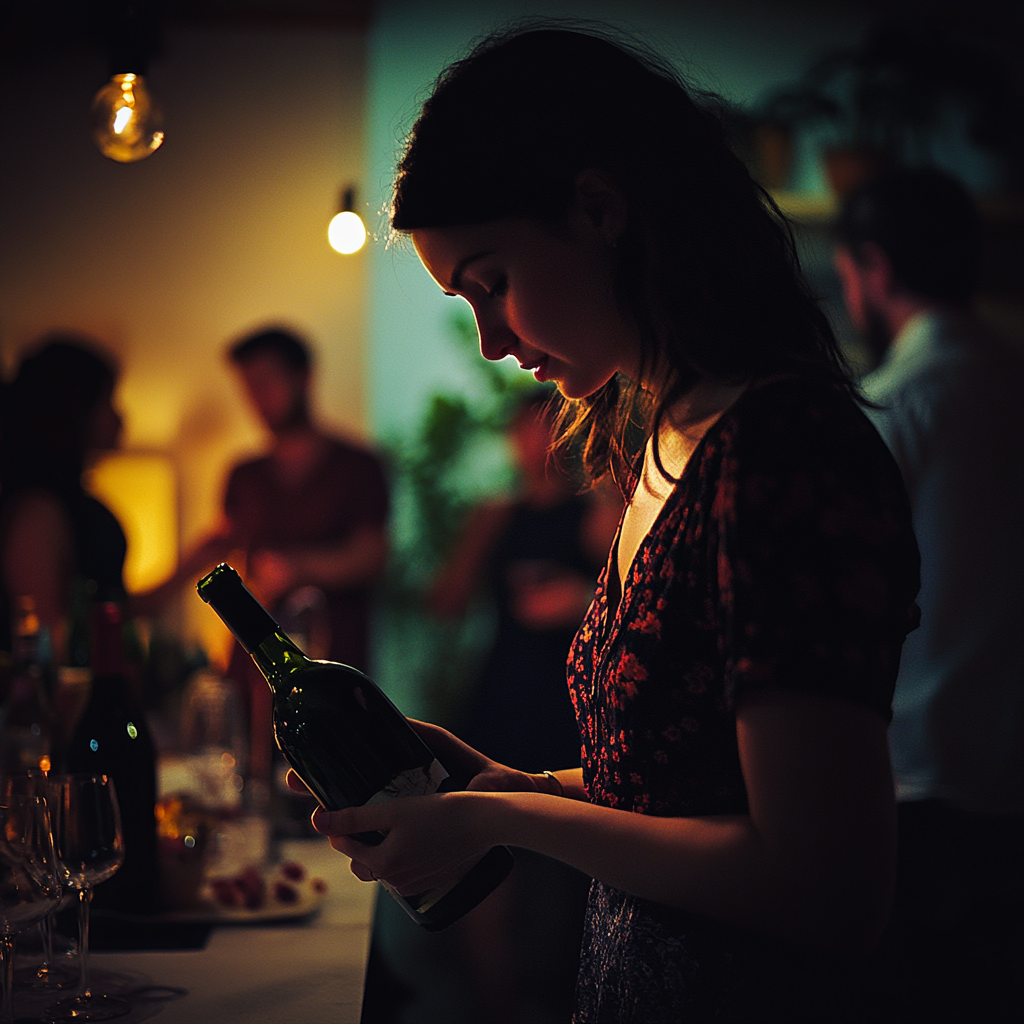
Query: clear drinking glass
{"points": [[29, 880], [213, 736], [90, 848], [32, 782]]}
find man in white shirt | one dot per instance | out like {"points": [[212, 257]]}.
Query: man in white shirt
{"points": [[950, 405]]}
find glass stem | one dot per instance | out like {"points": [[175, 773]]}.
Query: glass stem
{"points": [[7, 979], [84, 899], [46, 934]]}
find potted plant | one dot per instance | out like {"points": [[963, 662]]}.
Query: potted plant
{"points": [[884, 101]]}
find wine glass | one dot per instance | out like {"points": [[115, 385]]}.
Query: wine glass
{"points": [[32, 782], [90, 848], [213, 735], [29, 880]]}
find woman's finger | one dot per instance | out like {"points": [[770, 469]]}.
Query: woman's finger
{"points": [[295, 784], [347, 846], [362, 872], [348, 822]]}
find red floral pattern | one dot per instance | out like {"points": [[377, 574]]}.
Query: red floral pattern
{"points": [[785, 558]]}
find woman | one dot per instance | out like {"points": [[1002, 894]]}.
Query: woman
{"points": [[733, 677], [58, 543]]}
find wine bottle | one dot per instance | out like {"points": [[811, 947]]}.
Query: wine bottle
{"points": [[25, 721], [112, 738], [345, 739]]}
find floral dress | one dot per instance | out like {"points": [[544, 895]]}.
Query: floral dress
{"points": [[785, 558]]}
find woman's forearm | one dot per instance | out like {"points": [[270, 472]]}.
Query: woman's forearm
{"points": [[814, 860], [710, 866]]}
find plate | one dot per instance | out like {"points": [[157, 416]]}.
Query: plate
{"points": [[281, 895]]}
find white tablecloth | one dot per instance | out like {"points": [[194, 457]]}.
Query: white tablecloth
{"points": [[291, 973]]}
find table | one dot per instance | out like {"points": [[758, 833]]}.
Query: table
{"points": [[286, 973]]}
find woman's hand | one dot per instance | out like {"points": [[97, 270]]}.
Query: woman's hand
{"points": [[436, 854], [429, 841], [472, 770]]}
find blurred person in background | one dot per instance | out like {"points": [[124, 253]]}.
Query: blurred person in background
{"points": [[538, 556], [309, 518], [949, 405], [57, 542], [61, 549]]}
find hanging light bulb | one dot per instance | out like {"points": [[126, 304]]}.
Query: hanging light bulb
{"points": [[126, 122], [346, 232]]}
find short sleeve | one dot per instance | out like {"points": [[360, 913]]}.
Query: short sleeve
{"points": [[818, 567]]}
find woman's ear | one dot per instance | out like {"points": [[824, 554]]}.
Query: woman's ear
{"points": [[601, 204]]}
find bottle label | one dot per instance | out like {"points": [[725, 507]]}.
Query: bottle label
{"points": [[415, 782]]}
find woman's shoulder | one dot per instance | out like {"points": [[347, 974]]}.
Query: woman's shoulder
{"points": [[34, 520], [793, 421], [794, 402]]}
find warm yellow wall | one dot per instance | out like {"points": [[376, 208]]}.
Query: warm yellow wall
{"points": [[222, 229]]}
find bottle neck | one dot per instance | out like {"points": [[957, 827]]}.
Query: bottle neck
{"points": [[225, 593], [107, 690], [278, 658], [107, 658]]}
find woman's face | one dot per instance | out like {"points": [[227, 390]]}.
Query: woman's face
{"points": [[542, 295], [104, 426]]}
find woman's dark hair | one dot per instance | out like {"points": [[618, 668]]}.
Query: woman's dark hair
{"points": [[706, 266], [47, 413]]}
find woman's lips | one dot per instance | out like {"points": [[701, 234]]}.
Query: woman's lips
{"points": [[537, 368]]}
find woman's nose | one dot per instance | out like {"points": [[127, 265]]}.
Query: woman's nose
{"points": [[496, 340]]}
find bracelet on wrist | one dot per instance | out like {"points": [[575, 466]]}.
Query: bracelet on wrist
{"points": [[554, 778]]}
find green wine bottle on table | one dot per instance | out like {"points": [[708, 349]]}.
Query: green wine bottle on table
{"points": [[345, 739], [113, 739]]}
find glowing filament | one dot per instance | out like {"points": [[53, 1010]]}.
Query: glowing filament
{"points": [[121, 119]]}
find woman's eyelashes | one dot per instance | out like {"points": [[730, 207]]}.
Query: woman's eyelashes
{"points": [[499, 289]]}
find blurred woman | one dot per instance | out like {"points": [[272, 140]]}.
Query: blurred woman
{"points": [[58, 543]]}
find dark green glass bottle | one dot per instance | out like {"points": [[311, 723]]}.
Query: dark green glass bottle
{"points": [[345, 739], [112, 738]]}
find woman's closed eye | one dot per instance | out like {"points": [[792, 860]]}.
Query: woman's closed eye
{"points": [[499, 289]]}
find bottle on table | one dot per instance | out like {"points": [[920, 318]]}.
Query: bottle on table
{"points": [[26, 733], [345, 739], [112, 738]]}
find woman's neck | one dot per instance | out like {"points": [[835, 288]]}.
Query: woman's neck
{"points": [[688, 420], [681, 431]]}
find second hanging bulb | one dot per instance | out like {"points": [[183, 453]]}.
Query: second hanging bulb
{"points": [[346, 232]]}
